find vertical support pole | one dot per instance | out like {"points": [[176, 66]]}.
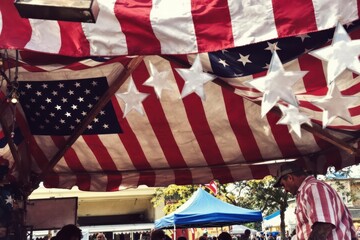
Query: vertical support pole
{"points": [[174, 232]]}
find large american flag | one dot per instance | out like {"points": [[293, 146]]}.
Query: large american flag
{"points": [[181, 141], [172, 27]]}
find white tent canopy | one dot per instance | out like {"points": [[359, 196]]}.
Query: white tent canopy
{"points": [[240, 229]]}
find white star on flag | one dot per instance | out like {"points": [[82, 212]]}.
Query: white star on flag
{"points": [[195, 79], [303, 36], [272, 46], [276, 85], [9, 200], [158, 80], [334, 104], [291, 116], [132, 99], [223, 62], [341, 54], [244, 59]]}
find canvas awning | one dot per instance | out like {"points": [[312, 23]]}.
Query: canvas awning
{"points": [[240, 229], [120, 228], [72, 125]]}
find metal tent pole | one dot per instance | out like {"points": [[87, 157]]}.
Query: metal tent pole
{"points": [[174, 232]]}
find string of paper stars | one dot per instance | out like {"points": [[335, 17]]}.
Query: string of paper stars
{"points": [[276, 85]]}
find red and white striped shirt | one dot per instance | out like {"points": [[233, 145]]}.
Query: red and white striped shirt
{"points": [[319, 202]]}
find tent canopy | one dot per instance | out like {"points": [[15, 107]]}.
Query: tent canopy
{"points": [[110, 105], [240, 229], [205, 210], [273, 215]]}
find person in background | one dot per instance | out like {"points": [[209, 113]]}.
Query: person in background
{"points": [[261, 236], [158, 234], [181, 238], [320, 212], [205, 235], [278, 237], [246, 235], [100, 236], [224, 236], [293, 235], [270, 237], [287, 235], [69, 232], [202, 237]]}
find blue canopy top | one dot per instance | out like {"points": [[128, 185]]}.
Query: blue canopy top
{"points": [[205, 210], [274, 214]]}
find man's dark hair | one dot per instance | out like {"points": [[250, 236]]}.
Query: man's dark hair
{"points": [[69, 231], [300, 173], [158, 234], [224, 236]]}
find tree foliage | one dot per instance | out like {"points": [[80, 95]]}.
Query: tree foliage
{"points": [[340, 187], [260, 194], [173, 196]]}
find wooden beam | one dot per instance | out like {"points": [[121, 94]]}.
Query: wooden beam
{"points": [[89, 118], [315, 129], [3, 106], [11, 143]]}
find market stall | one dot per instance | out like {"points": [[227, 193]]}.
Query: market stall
{"points": [[161, 92]]}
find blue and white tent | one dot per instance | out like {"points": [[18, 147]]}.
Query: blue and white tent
{"points": [[205, 210], [272, 219]]}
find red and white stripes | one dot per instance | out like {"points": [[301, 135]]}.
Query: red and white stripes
{"points": [[168, 27], [182, 141]]}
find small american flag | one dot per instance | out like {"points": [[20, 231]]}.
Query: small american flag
{"points": [[212, 186]]}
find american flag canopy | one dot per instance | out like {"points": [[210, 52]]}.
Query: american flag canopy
{"points": [[88, 116]]}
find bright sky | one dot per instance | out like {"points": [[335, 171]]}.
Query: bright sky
{"points": [[355, 171]]}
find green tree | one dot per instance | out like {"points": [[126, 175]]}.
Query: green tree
{"points": [[260, 194], [173, 196], [339, 186]]}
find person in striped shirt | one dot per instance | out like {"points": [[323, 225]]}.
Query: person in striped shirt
{"points": [[320, 211]]}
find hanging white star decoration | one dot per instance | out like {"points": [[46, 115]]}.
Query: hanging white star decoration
{"points": [[133, 99], [158, 80], [195, 79], [291, 116], [341, 54], [276, 85], [334, 104]]}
